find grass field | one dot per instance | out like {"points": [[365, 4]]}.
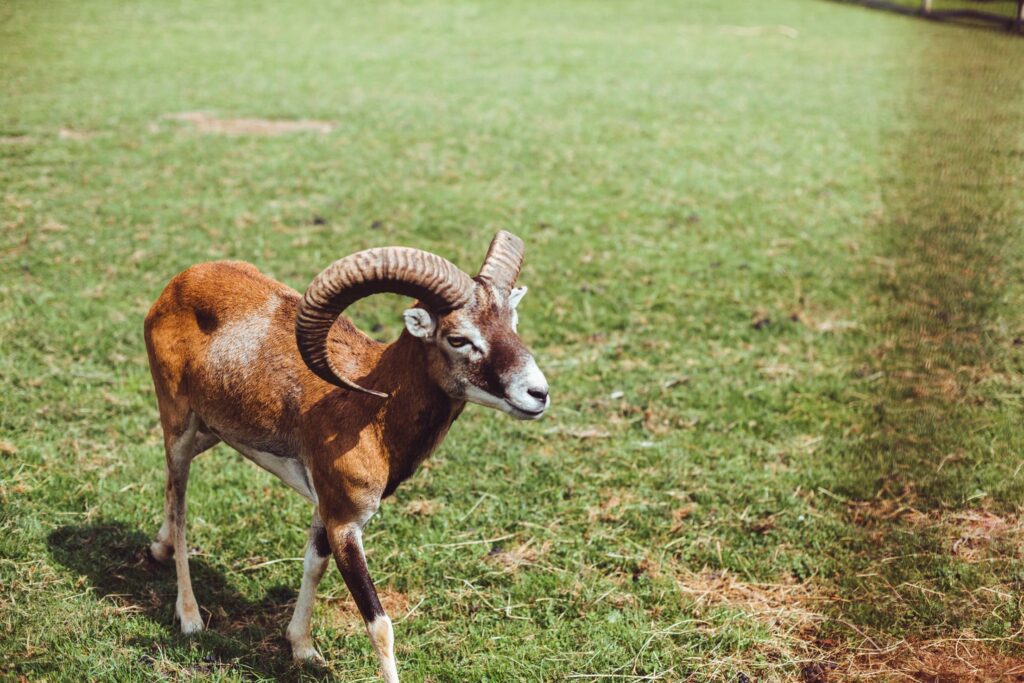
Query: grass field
{"points": [[773, 251]]}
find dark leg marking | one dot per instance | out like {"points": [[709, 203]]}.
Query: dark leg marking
{"points": [[320, 542], [352, 564]]}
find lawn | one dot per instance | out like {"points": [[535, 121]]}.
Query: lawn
{"points": [[773, 252]]}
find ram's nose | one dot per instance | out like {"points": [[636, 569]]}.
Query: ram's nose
{"points": [[539, 393]]}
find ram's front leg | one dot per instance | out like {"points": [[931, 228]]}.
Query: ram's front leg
{"points": [[347, 544]]}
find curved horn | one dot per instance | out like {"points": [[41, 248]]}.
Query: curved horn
{"points": [[397, 270], [503, 261]]}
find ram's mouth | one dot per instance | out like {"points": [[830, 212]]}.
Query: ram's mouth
{"points": [[525, 414]]}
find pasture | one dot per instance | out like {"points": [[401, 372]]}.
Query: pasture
{"points": [[774, 259]]}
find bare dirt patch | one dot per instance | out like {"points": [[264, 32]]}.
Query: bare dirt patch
{"points": [[204, 122]]}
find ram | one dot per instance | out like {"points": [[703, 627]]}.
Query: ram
{"points": [[294, 386]]}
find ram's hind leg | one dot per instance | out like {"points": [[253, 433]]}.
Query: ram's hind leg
{"points": [[182, 442], [162, 549], [347, 543], [318, 550]]}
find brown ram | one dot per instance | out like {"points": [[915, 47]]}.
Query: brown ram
{"points": [[291, 384]]}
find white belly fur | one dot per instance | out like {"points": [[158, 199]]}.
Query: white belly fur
{"points": [[288, 470]]}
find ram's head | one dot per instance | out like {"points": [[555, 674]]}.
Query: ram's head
{"points": [[468, 324]]}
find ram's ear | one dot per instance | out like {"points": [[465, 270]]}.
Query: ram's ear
{"points": [[516, 295], [420, 322]]}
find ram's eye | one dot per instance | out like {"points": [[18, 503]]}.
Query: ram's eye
{"points": [[457, 342]]}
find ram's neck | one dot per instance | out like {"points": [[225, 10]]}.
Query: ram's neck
{"points": [[418, 413]]}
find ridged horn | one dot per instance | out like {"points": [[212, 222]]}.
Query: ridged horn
{"points": [[503, 261], [397, 270]]}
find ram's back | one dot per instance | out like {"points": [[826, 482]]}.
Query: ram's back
{"points": [[221, 341]]}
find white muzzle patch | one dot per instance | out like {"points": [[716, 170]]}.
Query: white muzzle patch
{"points": [[526, 395]]}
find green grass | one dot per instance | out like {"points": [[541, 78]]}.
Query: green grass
{"points": [[775, 285]]}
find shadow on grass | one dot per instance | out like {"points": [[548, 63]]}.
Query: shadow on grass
{"points": [[937, 446], [242, 637], [946, 255], [965, 17]]}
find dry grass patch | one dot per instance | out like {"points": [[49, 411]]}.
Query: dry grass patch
{"points": [[203, 122], [789, 606], [972, 535], [793, 612], [76, 135], [524, 554], [422, 508], [16, 139], [964, 659], [884, 508], [980, 534], [341, 612], [612, 507]]}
